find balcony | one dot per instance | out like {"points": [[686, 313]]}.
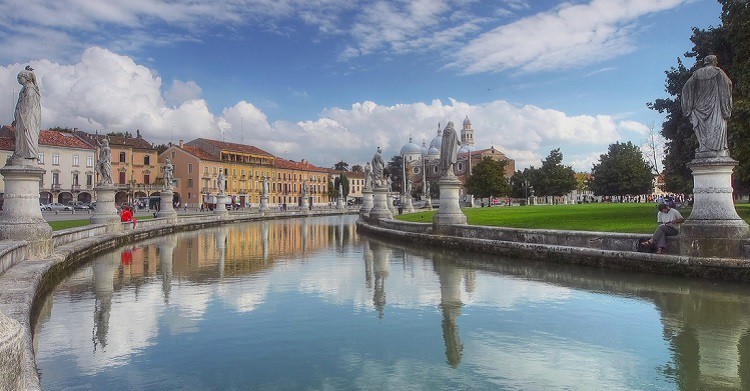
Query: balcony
{"points": [[56, 187], [75, 188]]}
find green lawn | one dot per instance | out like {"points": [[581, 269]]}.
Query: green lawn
{"points": [[605, 217], [65, 224]]}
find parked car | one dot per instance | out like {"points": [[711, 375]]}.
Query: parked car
{"points": [[44, 207], [56, 206], [78, 205]]}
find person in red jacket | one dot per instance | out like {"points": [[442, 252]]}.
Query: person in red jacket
{"points": [[127, 216]]}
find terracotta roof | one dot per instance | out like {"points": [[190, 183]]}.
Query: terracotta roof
{"points": [[128, 141], [249, 149], [299, 166], [50, 138], [199, 153]]}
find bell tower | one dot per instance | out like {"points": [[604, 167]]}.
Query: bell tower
{"points": [[467, 134]]}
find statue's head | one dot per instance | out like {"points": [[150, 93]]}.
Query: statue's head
{"points": [[380, 150], [24, 76], [710, 60]]}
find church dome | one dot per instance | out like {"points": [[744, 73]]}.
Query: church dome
{"points": [[465, 148], [411, 148], [467, 121], [434, 152], [424, 148]]}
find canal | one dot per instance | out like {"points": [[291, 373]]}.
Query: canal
{"points": [[310, 304]]}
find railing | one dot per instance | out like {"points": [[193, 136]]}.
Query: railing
{"points": [[56, 186]]}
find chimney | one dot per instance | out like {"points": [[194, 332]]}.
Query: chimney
{"points": [[181, 144]]}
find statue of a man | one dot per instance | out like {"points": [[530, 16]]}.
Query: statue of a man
{"points": [[27, 117], [377, 168], [168, 174], [368, 176], [104, 164], [707, 100], [265, 186], [220, 181], [305, 189], [449, 149]]}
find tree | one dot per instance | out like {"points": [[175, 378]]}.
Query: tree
{"points": [[552, 179], [730, 42], [394, 169], [357, 168], [621, 171], [520, 185], [653, 146], [344, 181], [341, 166], [488, 179]]}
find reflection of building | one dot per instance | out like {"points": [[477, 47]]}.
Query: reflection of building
{"points": [[67, 160], [423, 163]]}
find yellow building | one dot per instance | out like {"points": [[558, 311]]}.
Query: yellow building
{"points": [[289, 179]]}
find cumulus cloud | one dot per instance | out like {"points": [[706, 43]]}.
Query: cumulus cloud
{"points": [[559, 39], [110, 92]]}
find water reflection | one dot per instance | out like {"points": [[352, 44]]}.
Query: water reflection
{"points": [[281, 292]]}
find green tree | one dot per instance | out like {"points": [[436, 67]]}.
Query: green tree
{"points": [[730, 42], [394, 169], [519, 185], [621, 171], [344, 181], [488, 179], [357, 168], [553, 178], [341, 166]]}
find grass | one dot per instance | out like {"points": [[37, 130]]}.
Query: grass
{"points": [[604, 217]]}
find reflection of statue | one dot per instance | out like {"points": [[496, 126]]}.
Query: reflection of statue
{"points": [[104, 164], [28, 116], [368, 176], [707, 99], [378, 166], [449, 149], [168, 170]]}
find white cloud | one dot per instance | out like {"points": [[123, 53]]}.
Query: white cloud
{"points": [[569, 36], [182, 91]]}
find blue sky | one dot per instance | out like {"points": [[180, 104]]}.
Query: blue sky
{"points": [[329, 80]]}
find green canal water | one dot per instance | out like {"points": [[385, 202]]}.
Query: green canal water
{"points": [[310, 304]]}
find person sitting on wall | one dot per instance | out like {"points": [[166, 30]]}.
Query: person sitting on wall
{"points": [[127, 216], [669, 220]]}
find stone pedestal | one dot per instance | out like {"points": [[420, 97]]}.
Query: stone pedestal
{"points": [[428, 203], [339, 203], [367, 202], [21, 218], [221, 205], [380, 205], [106, 211], [263, 209], [304, 206], [713, 229], [449, 213], [391, 207], [408, 206], [166, 208]]}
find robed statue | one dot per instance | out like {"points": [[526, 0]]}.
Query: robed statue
{"points": [[378, 167], [27, 117], [707, 100], [449, 149], [368, 176], [104, 164], [168, 171]]}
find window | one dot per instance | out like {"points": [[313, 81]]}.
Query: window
{"points": [[460, 166], [122, 178], [435, 169], [75, 160], [122, 157], [190, 183], [147, 160], [55, 178], [205, 170], [234, 172], [89, 161], [190, 168], [214, 170], [41, 158], [146, 178], [56, 159], [172, 154], [89, 180], [75, 179]]}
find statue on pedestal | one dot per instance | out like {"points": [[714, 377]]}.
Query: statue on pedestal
{"points": [[449, 149], [168, 171], [707, 100], [104, 164], [368, 176], [265, 187], [27, 117], [220, 181], [378, 166]]}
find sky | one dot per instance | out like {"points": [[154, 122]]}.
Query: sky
{"points": [[332, 80]]}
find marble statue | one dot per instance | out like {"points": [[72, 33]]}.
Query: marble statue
{"points": [[104, 164], [378, 167], [305, 189], [220, 181], [265, 186], [707, 100], [27, 116], [168, 171], [341, 190], [408, 187], [368, 176], [389, 183], [449, 149]]}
